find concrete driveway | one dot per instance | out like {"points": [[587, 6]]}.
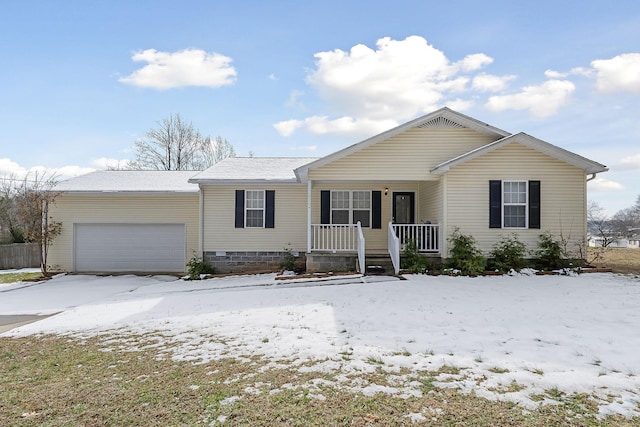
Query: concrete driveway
{"points": [[23, 303], [9, 322]]}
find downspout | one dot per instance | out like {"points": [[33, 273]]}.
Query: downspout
{"points": [[309, 186], [593, 175], [201, 220]]}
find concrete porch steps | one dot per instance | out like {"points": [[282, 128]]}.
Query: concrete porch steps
{"points": [[379, 264]]}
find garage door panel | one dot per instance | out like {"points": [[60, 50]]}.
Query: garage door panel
{"points": [[129, 247]]}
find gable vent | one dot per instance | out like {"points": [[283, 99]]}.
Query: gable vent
{"points": [[440, 123]]}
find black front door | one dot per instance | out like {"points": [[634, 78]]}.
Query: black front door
{"points": [[404, 207]]}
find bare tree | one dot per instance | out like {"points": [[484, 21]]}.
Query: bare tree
{"points": [[177, 145], [626, 222], [31, 199], [174, 145], [599, 224], [215, 150]]}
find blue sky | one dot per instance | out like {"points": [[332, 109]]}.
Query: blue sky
{"points": [[81, 80]]}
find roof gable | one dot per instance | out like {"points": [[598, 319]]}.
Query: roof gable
{"points": [[440, 119], [589, 166]]}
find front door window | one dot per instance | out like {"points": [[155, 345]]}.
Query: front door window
{"points": [[404, 208]]}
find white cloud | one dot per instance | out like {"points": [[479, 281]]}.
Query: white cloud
{"points": [[490, 83], [602, 184], [375, 88], [188, 67], [11, 169], [346, 125], [541, 101], [618, 74], [272, 77], [553, 74], [294, 99], [109, 163], [473, 62], [460, 104], [633, 161], [288, 127]]}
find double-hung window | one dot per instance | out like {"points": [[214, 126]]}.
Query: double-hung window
{"points": [[254, 208], [514, 204], [349, 207]]}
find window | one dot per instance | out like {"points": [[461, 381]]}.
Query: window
{"points": [[254, 208], [514, 204], [349, 207]]}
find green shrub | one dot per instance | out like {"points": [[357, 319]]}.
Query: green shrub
{"points": [[510, 253], [412, 260], [288, 260], [197, 266], [465, 255], [550, 254]]}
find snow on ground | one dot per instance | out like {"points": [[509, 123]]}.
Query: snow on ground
{"points": [[568, 334]]}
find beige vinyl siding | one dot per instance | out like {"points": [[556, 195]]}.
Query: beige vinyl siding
{"points": [[562, 196], [405, 157], [430, 206], [72, 208], [290, 229], [375, 239]]}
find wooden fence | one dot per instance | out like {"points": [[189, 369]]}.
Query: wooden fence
{"points": [[19, 255]]}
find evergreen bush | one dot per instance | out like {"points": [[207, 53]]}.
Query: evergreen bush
{"points": [[465, 255]]}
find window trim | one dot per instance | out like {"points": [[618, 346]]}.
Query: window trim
{"points": [[525, 204], [247, 209], [351, 208]]}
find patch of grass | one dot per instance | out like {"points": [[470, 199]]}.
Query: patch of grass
{"points": [[375, 360], [620, 260], [513, 387], [61, 381], [18, 277], [554, 393], [497, 370], [426, 384], [537, 371]]}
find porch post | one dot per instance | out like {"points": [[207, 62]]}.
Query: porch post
{"points": [[309, 186]]}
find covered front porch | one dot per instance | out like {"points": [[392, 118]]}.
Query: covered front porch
{"points": [[373, 219]]}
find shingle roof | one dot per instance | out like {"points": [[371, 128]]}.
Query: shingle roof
{"points": [[130, 181], [233, 169]]}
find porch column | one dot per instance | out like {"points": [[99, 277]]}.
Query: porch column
{"points": [[309, 186]]}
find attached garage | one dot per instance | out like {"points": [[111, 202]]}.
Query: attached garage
{"points": [[129, 247], [126, 221]]}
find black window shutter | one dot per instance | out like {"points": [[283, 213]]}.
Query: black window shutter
{"points": [[495, 204], [534, 204], [325, 207], [270, 206], [376, 209], [239, 208]]}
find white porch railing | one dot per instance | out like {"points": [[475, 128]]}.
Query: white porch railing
{"points": [[361, 260], [426, 236], [334, 238], [394, 248], [339, 238]]}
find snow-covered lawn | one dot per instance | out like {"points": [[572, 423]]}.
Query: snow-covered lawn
{"points": [[508, 338]]}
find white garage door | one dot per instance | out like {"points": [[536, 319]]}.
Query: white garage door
{"points": [[129, 247]]}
